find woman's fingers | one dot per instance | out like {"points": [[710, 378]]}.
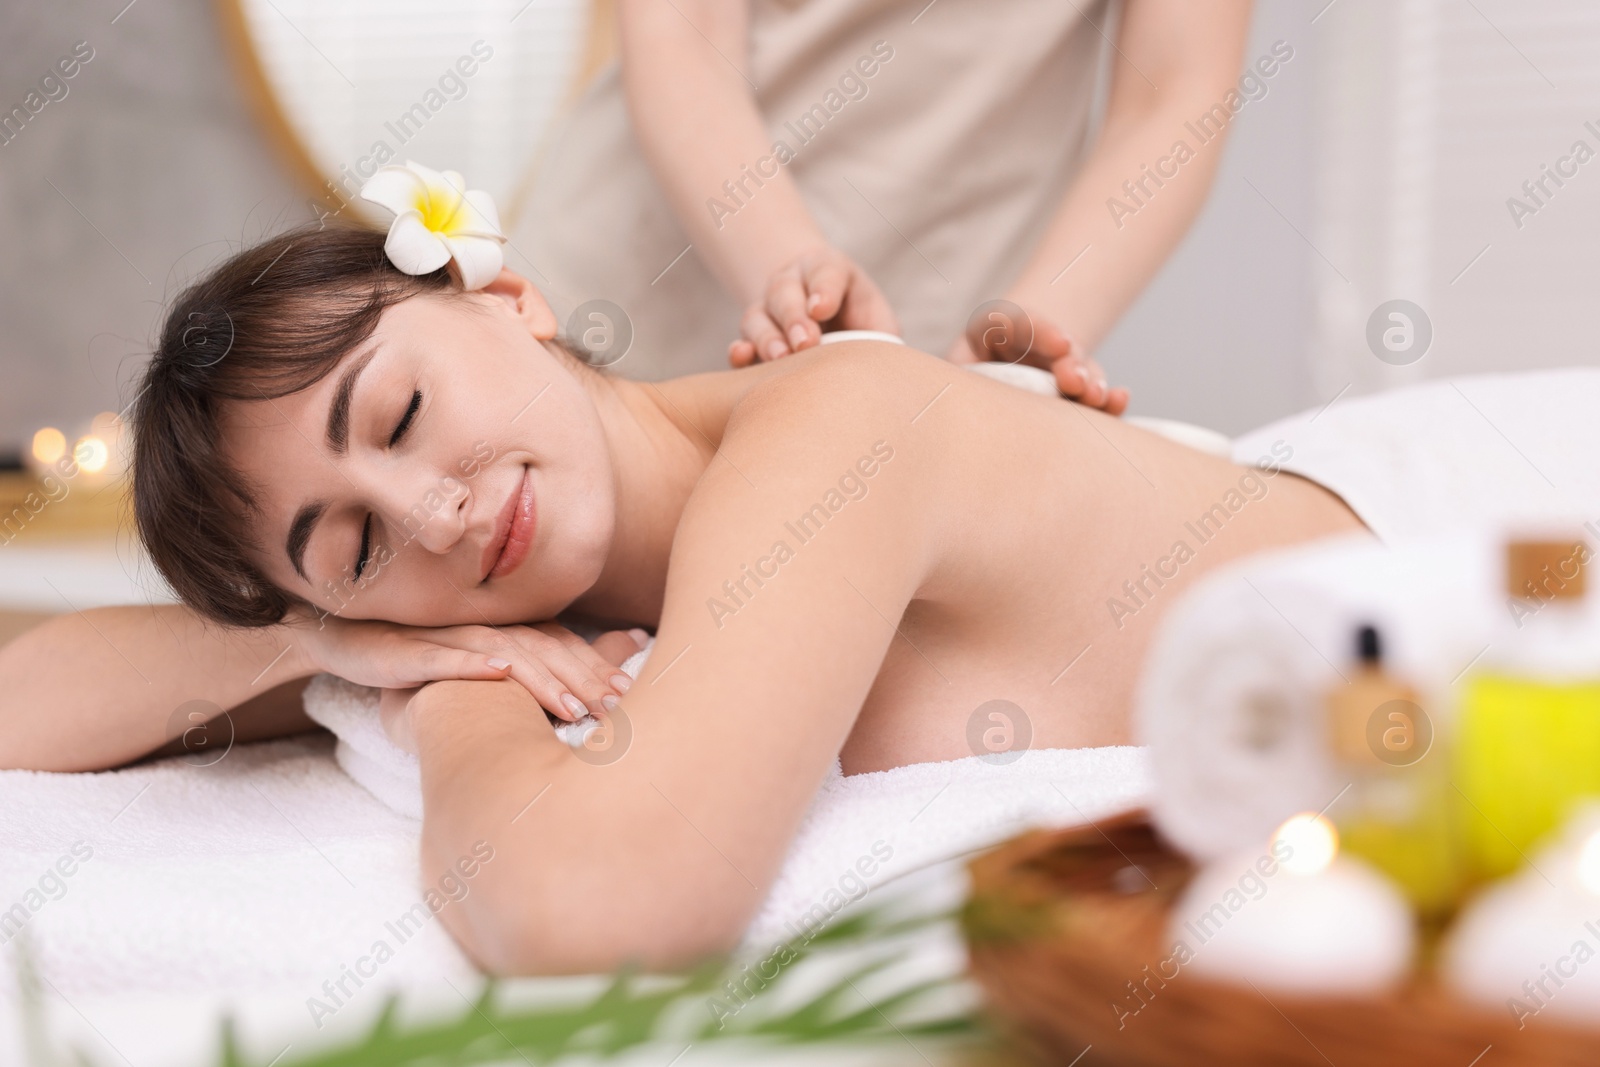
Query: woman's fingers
{"points": [[1071, 378], [1010, 335], [429, 662], [786, 306], [1098, 391], [1083, 380], [865, 307], [821, 286], [763, 334], [1004, 336], [583, 677], [602, 668], [827, 280], [564, 685], [553, 694], [1050, 343]]}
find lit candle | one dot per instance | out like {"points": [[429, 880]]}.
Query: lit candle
{"points": [[49, 444], [1297, 917], [1530, 944], [91, 453]]}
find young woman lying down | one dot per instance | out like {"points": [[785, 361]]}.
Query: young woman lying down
{"points": [[343, 468]]}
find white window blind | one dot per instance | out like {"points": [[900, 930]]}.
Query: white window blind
{"points": [[1432, 114]]}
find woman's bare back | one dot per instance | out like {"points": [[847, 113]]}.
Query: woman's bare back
{"points": [[1071, 534]]}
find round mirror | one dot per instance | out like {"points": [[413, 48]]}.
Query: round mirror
{"points": [[472, 86]]}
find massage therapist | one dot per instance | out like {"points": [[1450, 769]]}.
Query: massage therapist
{"points": [[754, 171]]}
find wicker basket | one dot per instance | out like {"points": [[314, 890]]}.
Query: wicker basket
{"points": [[1062, 924]]}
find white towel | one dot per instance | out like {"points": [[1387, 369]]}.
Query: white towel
{"points": [[907, 819], [267, 871], [1442, 456]]}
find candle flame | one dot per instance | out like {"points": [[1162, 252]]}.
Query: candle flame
{"points": [[92, 454], [1310, 840]]}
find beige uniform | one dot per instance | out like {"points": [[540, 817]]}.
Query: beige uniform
{"points": [[934, 152]]}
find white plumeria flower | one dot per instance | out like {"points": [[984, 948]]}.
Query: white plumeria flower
{"points": [[438, 219]]}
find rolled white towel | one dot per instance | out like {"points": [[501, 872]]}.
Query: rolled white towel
{"points": [[385, 770], [1231, 701]]}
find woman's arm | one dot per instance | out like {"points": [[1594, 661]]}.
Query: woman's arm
{"points": [[684, 71], [1173, 62], [98, 688], [660, 848]]}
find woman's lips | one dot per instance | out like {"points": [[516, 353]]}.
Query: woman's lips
{"points": [[513, 532]]}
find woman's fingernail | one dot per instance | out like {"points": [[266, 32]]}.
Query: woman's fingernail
{"points": [[498, 664], [1104, 388], [815, 302], [775, 350], [610, 703], [621, 683], [797, 335], [573, 705]]}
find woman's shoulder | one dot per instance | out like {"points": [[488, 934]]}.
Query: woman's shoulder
{"points": [[833, 387], [819, 416]]}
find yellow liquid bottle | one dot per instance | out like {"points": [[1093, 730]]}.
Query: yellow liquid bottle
{"points": [[1395, 812], [1529, 744]]}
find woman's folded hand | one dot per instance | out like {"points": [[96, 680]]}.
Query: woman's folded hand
{"points": [[565, 674], [820, 287]]}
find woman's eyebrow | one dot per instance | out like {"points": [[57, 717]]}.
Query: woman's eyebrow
{"points": [[338, 432], [300, 533]]}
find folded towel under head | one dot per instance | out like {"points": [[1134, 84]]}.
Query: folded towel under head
{"points": [[388, 772]]}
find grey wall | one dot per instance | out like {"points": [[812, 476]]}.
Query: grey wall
{"points": [[1220, 337], [155, 147], [158, 165]]}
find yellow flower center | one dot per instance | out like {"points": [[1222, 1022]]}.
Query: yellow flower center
{"points": [[440, 206]]}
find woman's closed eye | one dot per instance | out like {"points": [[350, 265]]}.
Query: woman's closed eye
{"points": [[364, 554], [366, 546], [405, 420]]}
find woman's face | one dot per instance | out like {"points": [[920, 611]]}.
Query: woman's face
{"points": [[450, 470]]}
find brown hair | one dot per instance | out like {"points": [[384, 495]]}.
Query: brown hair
{"points": [[269, 321]]}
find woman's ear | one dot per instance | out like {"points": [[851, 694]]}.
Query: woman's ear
{"points": [[526, 302]]}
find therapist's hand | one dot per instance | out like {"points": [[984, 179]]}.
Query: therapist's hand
{"points": [[820, 287], [1077, 376]]}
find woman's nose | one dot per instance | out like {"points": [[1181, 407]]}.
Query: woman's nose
{"points": [[428, 512]]}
